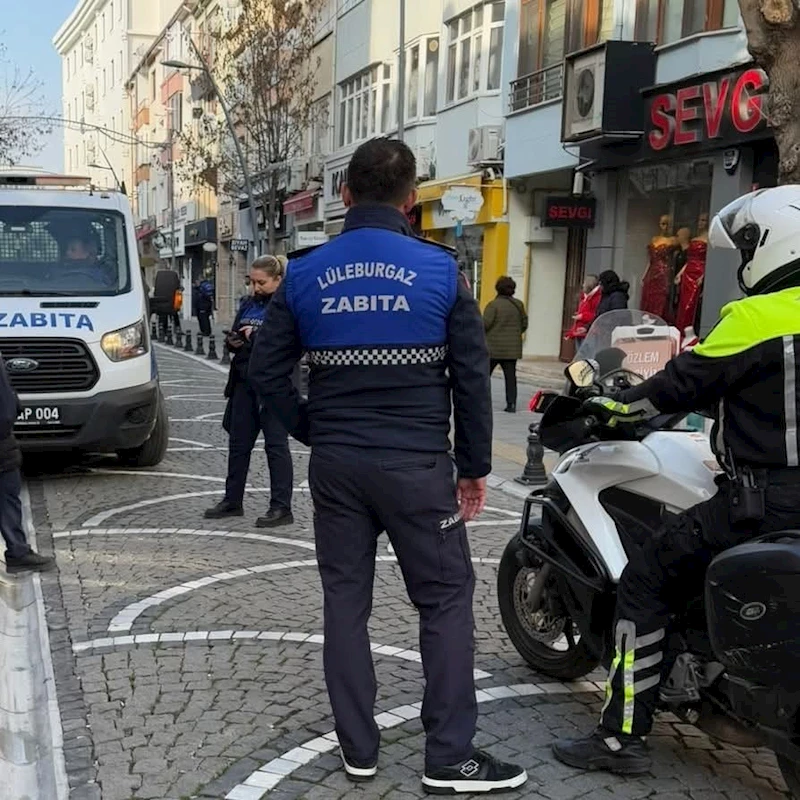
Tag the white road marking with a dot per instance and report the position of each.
(200, 359)
(230, 635)
(257, 537)
(124, 619)
(213, 415)
(269, 775)
(213, 395)
(189, 441)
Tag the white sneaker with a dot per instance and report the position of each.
(357, 774)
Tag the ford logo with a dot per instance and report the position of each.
(752, 611)
(21, 365)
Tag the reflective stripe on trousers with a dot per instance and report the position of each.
(633, 680)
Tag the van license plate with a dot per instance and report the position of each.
(39, 415)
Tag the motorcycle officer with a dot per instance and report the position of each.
(746, 370)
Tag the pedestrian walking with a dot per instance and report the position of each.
(245, 415)
(615, 293)
(389, 328)
(505, 320)
(203, 305)
(19, 555)
(586, 313)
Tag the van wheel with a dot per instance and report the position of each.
(549, 641)
(791, 774)
(154, 449)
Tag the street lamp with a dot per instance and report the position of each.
(203, 67)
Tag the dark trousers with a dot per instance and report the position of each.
(509, 367)
(660, 577)
(246, 420)
(204, 322)
(11, 514)
(357, 494)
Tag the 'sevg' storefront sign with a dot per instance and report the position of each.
(702, 114)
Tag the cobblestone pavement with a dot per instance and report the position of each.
(187, 652)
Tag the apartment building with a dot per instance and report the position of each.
(98, 43)
(658, 109)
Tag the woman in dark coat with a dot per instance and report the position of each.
(245, 417)
(505, 320)
(615, 293)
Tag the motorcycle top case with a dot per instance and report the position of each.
(753, 607)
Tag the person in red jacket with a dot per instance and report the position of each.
(587, 310)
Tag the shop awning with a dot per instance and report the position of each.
(433, 190)
(302, 201)
(145, 231)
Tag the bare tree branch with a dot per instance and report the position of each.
(265, 66)
(23, 124)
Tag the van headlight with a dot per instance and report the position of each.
(125, 343)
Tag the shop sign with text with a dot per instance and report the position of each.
(569, 212)
(706, 113)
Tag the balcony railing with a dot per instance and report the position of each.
(537, 88)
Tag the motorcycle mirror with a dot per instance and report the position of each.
(581, 374)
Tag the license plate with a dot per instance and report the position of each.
(39, 415)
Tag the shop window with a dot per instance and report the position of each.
(422, 77)
(666, 237)
(667, 21)
(365, 105)
(469, 69)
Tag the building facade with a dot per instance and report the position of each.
(98, 43)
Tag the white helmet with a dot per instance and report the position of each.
(765, 226)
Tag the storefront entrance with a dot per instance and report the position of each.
(573, 286)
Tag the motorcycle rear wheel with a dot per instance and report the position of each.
(791, 774)
(566, 665)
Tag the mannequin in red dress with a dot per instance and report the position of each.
(690, 278)
(658, 275)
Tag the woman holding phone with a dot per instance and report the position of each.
(244, 416)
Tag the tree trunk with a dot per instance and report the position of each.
(773, 39)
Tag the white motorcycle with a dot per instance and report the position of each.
(736, 656)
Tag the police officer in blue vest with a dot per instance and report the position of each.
(244, 415)
(391, 334)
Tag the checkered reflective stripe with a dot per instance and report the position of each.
(377, 356)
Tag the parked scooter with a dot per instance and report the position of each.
(735, 651)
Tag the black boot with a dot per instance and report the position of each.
(604, 750)
(511, 408)
(275, 517)
(225, 508)
(31, 562)
(480, 774)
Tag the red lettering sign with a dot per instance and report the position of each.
(686, 111)
(661, 120)
(747, 106)
(563, 212)
(728, 106)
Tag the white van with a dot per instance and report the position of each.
(74, 331)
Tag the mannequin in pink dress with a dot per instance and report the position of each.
(690, 278)
(658, 275)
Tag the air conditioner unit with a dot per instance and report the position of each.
(484, 145)
(297, 177)
(316, 167)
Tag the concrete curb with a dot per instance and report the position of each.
(32, 761)
(505, 485)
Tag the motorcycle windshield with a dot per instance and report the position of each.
(630, 340)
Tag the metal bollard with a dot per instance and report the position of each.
(179, 338)
(225, 359)
(154, 331)
(199, 351)
(212, 348)
(534, 473)
(187, 348)
(161, 334)
(168, 337)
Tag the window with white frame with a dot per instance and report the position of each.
(422, 79)
(474, 51)
(365, 103)
(320, 127)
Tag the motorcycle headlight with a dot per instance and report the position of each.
(125, 343)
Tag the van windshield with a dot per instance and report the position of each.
(62, 252)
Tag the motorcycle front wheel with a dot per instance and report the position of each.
(548, 640)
